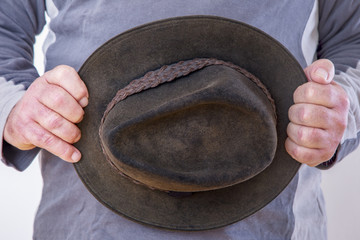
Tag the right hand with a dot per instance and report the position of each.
(47, 114)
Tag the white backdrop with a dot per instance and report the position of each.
(20, 193)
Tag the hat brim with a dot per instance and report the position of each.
(132, 54)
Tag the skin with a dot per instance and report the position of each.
(47, 114)
(318, 118)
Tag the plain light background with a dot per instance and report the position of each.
(20, 193)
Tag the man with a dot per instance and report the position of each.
(324, 119)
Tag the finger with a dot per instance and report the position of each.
(67, 78)
(56, 124)
(60, 101)
(44, 139)
(321, 71)
(309, 156)
(307, 136)
(314, 93)
(311, 115)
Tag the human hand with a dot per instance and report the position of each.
(319, 116)
(46, 115)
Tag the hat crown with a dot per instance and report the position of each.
(211, 129)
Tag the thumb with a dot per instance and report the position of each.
(321, 71)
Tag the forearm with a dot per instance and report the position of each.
(339, 41)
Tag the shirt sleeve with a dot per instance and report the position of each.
(20, 22)
(339, 41)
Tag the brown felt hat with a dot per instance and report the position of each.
(186, 122)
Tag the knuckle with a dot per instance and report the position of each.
(328, 90)
(303, 114)
(79, 117)
(74, 135)
(331, 95)
(48, 140)
(77, 134)
(44, 139)
(297, 113)
(38, 84)
(54, 121)
(64, 71)
(33, 135)
(309, 135)
(302, 155)
(326, 119)
(317, 135)
(44, 115)
(310, 91)
(57, 99)
(342, 124)
(301, 134)
(65, 152)
(323, 116)
(344, 102)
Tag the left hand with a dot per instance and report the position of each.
(319, 116)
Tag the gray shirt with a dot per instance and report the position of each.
(309, 29)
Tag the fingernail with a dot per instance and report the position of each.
(84, 102)
(75, 157)
(320, 72)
